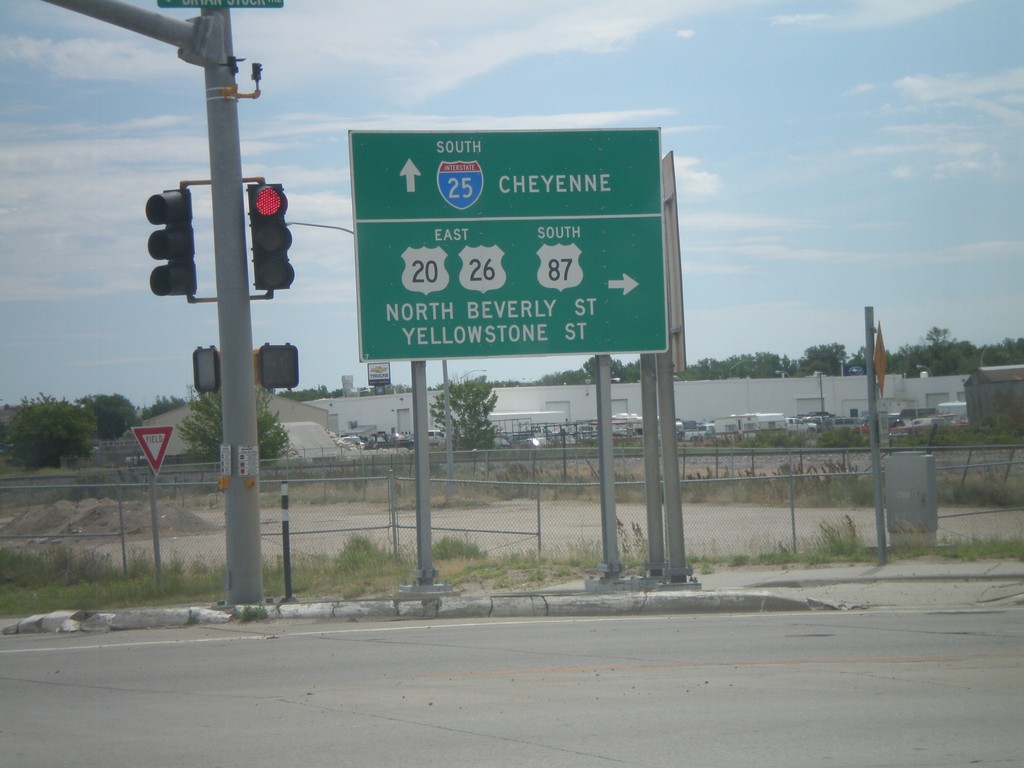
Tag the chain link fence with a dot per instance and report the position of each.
(735, 502)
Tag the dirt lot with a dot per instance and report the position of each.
(497, 527)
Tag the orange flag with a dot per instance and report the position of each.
(880, 361)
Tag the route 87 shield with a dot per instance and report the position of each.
(460, 182)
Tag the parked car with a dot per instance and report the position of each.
(697, 431)
(380, 440)
(794, 424)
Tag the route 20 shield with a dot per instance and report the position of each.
(460, 182)
(424, 270)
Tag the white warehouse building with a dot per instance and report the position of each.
(843, 396)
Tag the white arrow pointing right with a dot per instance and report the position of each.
(410, 172)
(627, 284)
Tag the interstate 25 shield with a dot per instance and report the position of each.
(460, 182)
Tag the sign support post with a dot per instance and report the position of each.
(876, 453)
(655, 566)
(677, 571)
(611, 568)
(425, 573)
(154, 522)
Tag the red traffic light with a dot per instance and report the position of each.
(271, 238)
(271, 201)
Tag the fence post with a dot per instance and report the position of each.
(792, 500)
(120, 520)
(538, 519)
(393, 513)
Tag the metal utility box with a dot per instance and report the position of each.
(911, 498)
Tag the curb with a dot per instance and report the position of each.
(432, 607)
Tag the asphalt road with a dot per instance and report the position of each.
(901, 688)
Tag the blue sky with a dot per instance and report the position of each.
(829, 156)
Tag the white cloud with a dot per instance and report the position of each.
(800, 20)
(419, 50)
(685, 34)
(863, 88)
(864, 14)
(693, 184)
(989, 94)
(91, 58)
(731, 221)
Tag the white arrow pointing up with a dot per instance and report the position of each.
(627, 284)
(410, 171)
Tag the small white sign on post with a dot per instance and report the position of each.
(248, 460)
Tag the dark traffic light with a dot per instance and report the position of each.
(175, 243)
(277, 366)
(270, 237)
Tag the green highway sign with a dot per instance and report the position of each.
(504, 244)
(200, 4)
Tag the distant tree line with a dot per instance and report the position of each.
(938, 354)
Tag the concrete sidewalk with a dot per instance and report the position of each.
(952, 586)
(939, 585)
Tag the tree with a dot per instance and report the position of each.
(472, 401)
(114, 414)
(44, 430)
(827, 358)
(202, 430)
(312, 393)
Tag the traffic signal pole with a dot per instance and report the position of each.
(206, 42)
(244, 575)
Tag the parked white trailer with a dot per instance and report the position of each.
(747, 423)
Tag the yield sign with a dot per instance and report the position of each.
(154, 441)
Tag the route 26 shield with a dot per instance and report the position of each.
(460, 182)
(482, 269)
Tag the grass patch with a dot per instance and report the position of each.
(837, 542)
(449, 548)
(252, 613)
(58, 577)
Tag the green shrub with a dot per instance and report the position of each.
(456, 549)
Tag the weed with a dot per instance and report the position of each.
(456, 549)
(633, 544)
(252, 613)
(838, 541)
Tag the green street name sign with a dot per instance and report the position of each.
(504, 244)
(220, 4)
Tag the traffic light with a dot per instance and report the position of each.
(206, 369)
(277, 366)
(175, 243)
(270, 237)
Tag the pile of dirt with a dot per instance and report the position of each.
(102, 516)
